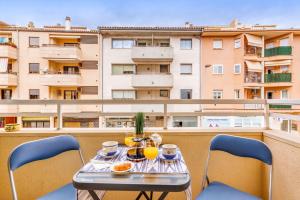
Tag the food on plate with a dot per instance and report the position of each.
(124, 166)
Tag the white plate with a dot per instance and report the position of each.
(121, 172)
(102, 154)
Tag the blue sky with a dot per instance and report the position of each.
(92, 13)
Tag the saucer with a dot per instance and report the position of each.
(104, 155)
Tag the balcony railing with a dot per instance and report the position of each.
(61, 79)
(8, 50)
(278, 51)
(8, 79)
(278, 77)
(61, 52)
(152, 80)
(280, 107)
(152, 53)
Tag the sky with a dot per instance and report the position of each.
(93, 13)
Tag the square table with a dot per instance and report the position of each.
(147, 176)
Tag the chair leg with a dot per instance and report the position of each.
(163, 196)
(93, 194)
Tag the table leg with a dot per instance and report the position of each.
(143, 193)
(163, 196)
(93, 194)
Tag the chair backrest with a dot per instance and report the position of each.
(243, 147)
(41, 149)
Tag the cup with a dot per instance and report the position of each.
(109, 148)
(169, 151)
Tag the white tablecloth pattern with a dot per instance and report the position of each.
(157, 166)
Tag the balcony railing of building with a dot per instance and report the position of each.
(277, 51)
(278, 77)
(8, 44)
(62, 46)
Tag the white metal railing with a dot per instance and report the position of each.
(165, 113)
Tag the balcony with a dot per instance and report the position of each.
(152, 81)
(280, 107)
(152, 53)
(278, 78)
(60, 53)
(8, 50)
(278, 51)
(58, 79)
(8, 79)
(245, 174)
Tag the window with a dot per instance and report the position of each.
(34, 41)
(186, 94)
(187, 121)
(217, 94)
(71, 70)
(186, 44)
(236, 94)
(284, 94)
(123, 94)
(34, 93)
(164, 68)
(269, 45)
(122, 43)
(3, 40)
(284, 42)
(34, 68)
(218, 69)
(237, 68)
(118, 69)
(36, 124)
(237, 43)
(217, 44)
(164, 93)
(89, 90)
(70, 94)
(6, 94)
(186, 69)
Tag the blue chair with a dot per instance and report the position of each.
(40, 150)
(237, 146)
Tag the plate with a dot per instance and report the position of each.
(136, 154)
(125, 171)
(102, 154)
(177, 157)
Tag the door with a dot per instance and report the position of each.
(70, 94)
(284, 42)
(6, 94)
(269, 95)
(71, 70)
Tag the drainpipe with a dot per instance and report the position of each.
(18, 75)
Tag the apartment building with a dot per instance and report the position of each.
(53, 62)
(151, 63)
(249, 62)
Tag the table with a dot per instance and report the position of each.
(146, 177)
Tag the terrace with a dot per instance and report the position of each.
(245, 174)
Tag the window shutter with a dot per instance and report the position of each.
(88, 39)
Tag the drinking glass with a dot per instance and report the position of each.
(151, 152)
(129, 140)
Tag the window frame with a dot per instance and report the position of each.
(217, 65)
(33, 46)
(122, 40)
(32, 72)
(234, 68)
(38, 96)
(237, 93)
(162, 91)
(239, 42)
(123, 92)
(187, 90)
(123, 66)
(186, 64)
(220, 91)
(186, 39)
(281, 94)
(215, 40)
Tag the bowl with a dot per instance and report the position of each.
(169, 151)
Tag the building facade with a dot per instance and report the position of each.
(144, 63)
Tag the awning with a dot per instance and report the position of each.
(278, 63)
(254, 66)
(35, 118)
(254, 40)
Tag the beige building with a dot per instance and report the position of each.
(53, 62)
(151, 63)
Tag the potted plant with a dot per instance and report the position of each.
(139, 125)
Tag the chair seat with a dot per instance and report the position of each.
(67, 192)
(220, 191)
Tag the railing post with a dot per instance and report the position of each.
(267, 116)
(165, 116)
(289, 127)
(59, 117)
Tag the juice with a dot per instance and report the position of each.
(129, 141)
(151, 152)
